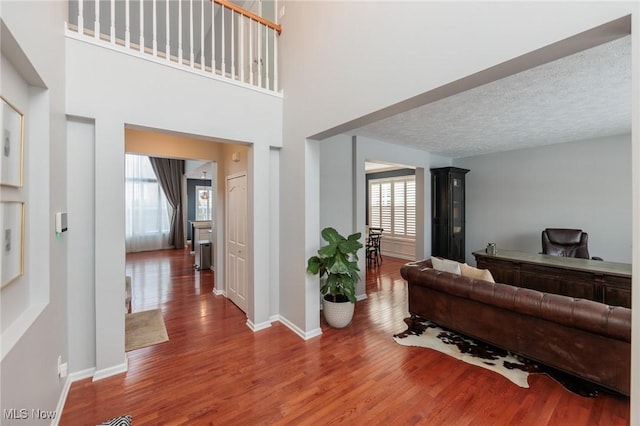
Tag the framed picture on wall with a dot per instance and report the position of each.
(12, 238)
(11, 151)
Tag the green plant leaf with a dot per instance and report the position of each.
(339, 262)
(331, 284)
(328, 251)
(324, 289)
(349, 246)
(313, 265)
(347, 280)
(355, 237)
(350, 293)
(331, 236)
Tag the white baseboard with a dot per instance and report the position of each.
(73, 377)
(400, 248)
(112, 371)
(61, 401)
(219, 292)
(258, 327)
(84, 374)
(304, 335)
(398, 255)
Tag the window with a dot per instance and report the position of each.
(392, 206)
(147, 212)
(204, 202)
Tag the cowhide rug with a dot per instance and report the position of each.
(424, 333)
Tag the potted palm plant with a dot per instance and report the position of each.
(338, 261)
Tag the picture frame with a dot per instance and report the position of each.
(12, 145)
(12, 239)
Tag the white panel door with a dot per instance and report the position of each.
(237, 249)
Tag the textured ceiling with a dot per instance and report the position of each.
(582, 96)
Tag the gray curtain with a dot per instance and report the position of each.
(169, 173)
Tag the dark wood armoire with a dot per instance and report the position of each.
(448, 212)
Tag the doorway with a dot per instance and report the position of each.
(219, 159)
(391, 201)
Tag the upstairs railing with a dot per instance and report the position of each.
(216, 37)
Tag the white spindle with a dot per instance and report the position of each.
(112, 29)
(167, 47)
(213, 38)
(275, 61)
(141, 26)
(180, 32)
(155, 28)
(127, 24)
(251, 58)
(267, 64)
(222, 43)
(233, 45)
(96, 24)
(81, 16)
(241, 43)
(202, 35)
(191, 57)
(259, 37)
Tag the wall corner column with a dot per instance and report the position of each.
(110, 248)
(259, 222)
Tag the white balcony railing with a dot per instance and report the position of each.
(212, 36)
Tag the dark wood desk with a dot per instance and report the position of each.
(606, 282)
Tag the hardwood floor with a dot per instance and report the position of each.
(215, 371)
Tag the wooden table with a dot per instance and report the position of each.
(606, 282)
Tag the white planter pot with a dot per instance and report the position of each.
(338, 315)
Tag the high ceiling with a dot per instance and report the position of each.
(582, 96)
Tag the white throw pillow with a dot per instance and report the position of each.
(475, 273)
(445, 265)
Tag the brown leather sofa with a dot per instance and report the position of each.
(581, 337)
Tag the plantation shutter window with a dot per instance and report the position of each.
(392, 206)
(410, 208)
(398, 208)
(385, 205)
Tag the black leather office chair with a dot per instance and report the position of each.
(566, 243)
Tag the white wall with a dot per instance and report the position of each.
(33, 42)
(114, 90)
(512, 196)
(336, 185)
(80, 236)
(274, 233)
